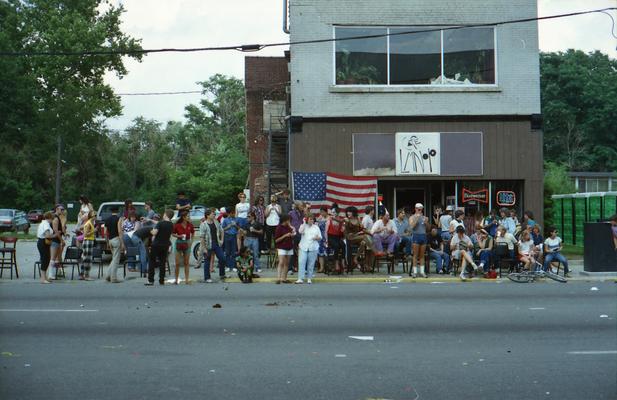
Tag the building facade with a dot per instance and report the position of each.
(440, 115)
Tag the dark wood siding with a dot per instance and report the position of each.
(512, 150)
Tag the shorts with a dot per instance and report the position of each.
(283, 252)
(185, 251)
(55, 245)
(418, 238)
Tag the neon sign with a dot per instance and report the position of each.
(480, 196)
(506, 198)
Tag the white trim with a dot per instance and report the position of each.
(334, 55)
(388, 55)
(443, 69)
(412, 88)
(495, 55)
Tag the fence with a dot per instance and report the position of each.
(571, 211)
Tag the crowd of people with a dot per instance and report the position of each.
(332, 241)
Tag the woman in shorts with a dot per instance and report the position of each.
(183, 232)
(283, 241)
(418, 224)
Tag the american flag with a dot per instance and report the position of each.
(321, 188)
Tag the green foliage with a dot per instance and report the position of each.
(579, 105)
(42, 98)
(556, 181)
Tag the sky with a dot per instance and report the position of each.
(201, 23)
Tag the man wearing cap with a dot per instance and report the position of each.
(285, 202)
(384, 232)
(462, 249)
(418, 223)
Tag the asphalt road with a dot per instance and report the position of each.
(432, 341)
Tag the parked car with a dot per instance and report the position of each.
(35, 216)
(13, 220)
(105, 211)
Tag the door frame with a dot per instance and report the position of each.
(395, 189)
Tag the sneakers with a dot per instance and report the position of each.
(208, 280)
(258, 270)
(149, 283)
(309, 281)
(463, 276)
(299, 282)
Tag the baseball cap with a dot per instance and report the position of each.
(419, 205)
(450, 208)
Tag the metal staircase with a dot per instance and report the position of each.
(278, 151)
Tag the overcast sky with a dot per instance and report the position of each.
(200, 23)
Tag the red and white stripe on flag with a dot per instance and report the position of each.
(347, 191)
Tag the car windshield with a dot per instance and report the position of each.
(6, 213)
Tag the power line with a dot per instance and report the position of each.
(159, 93)
(258, 47)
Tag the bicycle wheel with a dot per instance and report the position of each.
(520, 277)
(196, 251)
(550, 274)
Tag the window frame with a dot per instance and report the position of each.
(437, 87)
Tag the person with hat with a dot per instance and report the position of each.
(462, 249)
(285, 202)
(484, 249)
(418, 224)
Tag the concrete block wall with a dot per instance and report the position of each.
(518, 91)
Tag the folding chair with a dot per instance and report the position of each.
(72, 257)
(502, 257)
(9, 248)
(132, 256)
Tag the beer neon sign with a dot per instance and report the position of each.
(506, 198)
(481, 196)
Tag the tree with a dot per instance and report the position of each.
(579, 105)
(556, 181)
(43, 97)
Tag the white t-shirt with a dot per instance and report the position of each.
(525, 247)
(44, 227)
(308, 241)
(367, 222)
(552, 244)
(455, 241)
(444, 222)
(509, 239)
(273, 215)
(242, 210)
(379, 225)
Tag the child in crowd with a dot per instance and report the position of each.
(244, 264)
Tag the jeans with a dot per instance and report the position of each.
(406, 242)
(219, 255)
(112, 271)
(485, 259)
(550, 257)
(44, 253)
(442, 259)
(306, 259)
(143, 253)
(253, 244)
(230, 247)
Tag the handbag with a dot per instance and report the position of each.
(47, 242)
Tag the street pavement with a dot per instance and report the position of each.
(446, 340)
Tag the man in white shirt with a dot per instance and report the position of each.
(403, 230)
(384, 232)
(367, 220)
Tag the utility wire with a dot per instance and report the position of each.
(258, 47)
(158, 93)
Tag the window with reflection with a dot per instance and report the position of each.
(361, 61)
(415, 59)
(469, 56)
(415, 56)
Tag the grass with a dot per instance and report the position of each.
(19, 235)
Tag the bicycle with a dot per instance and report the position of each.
(536, 273)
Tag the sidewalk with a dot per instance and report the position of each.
(27, 254)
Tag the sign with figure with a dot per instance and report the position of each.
(418, 153)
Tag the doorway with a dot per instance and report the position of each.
(407, 198)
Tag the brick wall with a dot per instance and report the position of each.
(265, 78)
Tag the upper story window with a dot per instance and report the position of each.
(463, 56)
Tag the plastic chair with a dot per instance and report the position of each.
(97, 258)
(9, 248)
